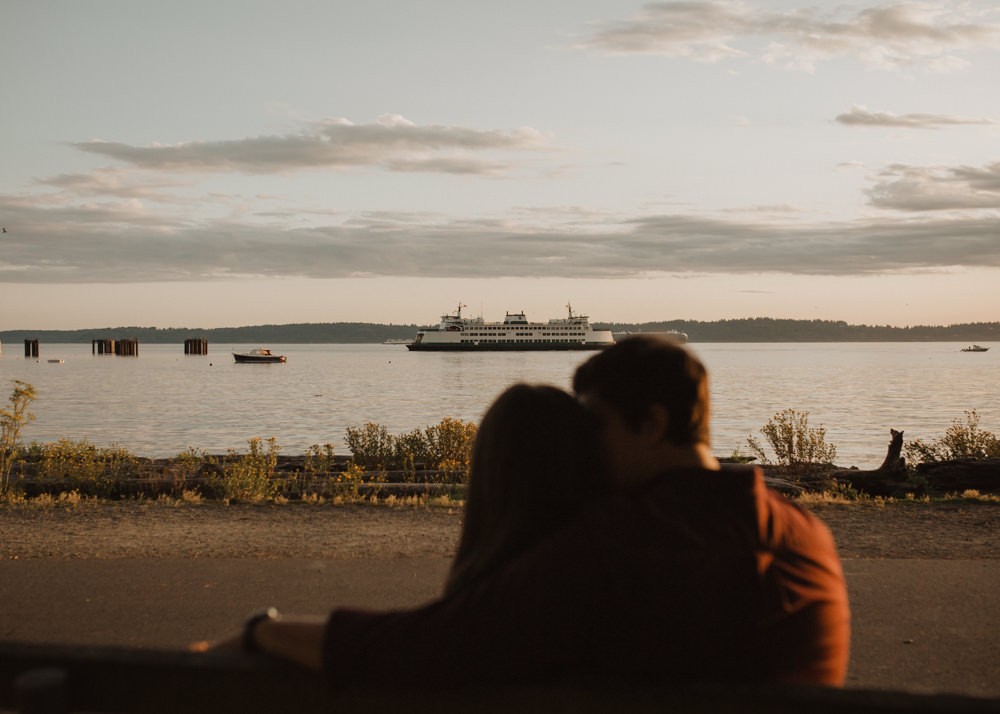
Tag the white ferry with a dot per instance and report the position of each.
(515, 333)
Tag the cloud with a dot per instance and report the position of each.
(393, 143)
(123, 242)
(112, 182)
(888, 37)
(921, 188)
(697, 30)
(862, 116)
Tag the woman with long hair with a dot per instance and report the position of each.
(535, 462)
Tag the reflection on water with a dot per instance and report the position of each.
(163, 401)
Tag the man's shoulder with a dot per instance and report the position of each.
(727, 483)
(732, 492)
(735, 499)
(693, 499)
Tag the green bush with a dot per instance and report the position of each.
(371, 445)
(446, 446)
(12, 420)
(319, 459)
(188, 464)
(347, 484)
(80, 465)
(962, 440)
(450, 444)
(793, 441)
(250, 476)
(409, 450)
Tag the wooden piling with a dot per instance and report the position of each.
(31, 348)
(129, 347)
(196, 346)
(102, 347)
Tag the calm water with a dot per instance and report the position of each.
(163, 401)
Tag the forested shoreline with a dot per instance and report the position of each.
(759, 329)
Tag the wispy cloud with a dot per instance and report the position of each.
(922, 188)
(890, 37)
(123, 243)
(393, 143)
(117, 183)
(860, 115)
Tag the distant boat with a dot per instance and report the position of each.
(56, 361)
(260, 354)
(974, 348)
(397, 341)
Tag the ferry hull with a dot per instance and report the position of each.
(502, 347)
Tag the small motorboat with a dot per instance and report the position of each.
(261, 354)
(974, 348)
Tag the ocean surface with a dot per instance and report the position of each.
(164, 402)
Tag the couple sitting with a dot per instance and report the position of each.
(601, 538)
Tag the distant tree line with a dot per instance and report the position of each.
(302, 333)
(757, 329)
(766, 329)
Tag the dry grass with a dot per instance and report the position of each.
(854, 497)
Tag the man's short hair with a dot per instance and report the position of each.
(644, 370)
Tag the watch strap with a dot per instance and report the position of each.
(249, 643)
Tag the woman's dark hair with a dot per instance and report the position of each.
(641, 371)
(535, 462)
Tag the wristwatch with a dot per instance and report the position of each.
(249, 643)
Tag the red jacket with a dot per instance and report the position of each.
(698, 575)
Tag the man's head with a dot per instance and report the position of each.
(652, 398)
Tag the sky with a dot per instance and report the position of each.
(238, 162)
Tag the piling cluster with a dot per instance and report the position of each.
(128, 347)
(196, 346)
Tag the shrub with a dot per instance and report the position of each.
(187, 464)
(411, 449)
(371, 445)
(793, 441)
(450, 444)
(444, 446)
(961, 440)
(347, 484)
(319, 459)
(250, 476)
(81, 465)
(12, 420)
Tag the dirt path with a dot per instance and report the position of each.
(135, 529)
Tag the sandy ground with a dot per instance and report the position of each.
(129, 529)
(136, 529)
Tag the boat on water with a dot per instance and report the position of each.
(515, 334)
(261, 354)
(974, 348)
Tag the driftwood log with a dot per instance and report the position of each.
(894, 479)
(889, 479)
(961, 475)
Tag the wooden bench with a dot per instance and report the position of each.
(53, 679)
